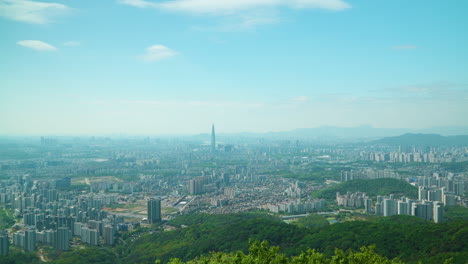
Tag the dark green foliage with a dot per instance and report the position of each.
(19, 257)
(207, 233)
(88, 255)
(400, 220)
(455, 166)
(312, 221)
(453, 213)
(372, 188)
(5, 220)
(405, 237)
(261, 253)
(220, 219)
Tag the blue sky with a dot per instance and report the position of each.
(177, 66)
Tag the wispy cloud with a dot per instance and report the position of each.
(404, 47)
(241, 22)
(158, 52)
(32, 11)
(231, 6)
(71, 43)
(36, 45)
(138, 3)
(237, 15)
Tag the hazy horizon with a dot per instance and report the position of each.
(362, 131)
(144, 67)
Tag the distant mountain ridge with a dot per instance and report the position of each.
(409, 139)
(364, 132)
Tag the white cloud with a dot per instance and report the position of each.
(31, 11)
(238, 15)
(240, 23)
(138, 3)
(158, 52)
(36, 45)
(71, 43)
(219, 7)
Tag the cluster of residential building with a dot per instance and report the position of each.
(297, 206)
(418, 156)
(429, 205)
(368, 174)
(446, 182)
(52, 216)
(351, 199)
(406, 157)
(429, 210)
(294, 190)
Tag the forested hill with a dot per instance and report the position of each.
(206, 233)
(372, 188)
(261, 253)
(408, 238)
(424, 140)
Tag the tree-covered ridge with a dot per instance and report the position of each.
(372, 188)
(19, 257)
(206, 233)
(454, 213)
(312, 221)
(261, 253)
(219, 219)
(6, 221)
(405, 237)
(88, 255)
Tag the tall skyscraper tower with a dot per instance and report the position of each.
(154, 210)
(213, 139)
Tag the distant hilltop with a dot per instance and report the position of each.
(364, 132)
(424, 140)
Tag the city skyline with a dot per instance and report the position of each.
(162, 198)
(175, 67)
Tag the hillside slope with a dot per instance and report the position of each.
(374, 187)
(406, 237)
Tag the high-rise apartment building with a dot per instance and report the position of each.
(109, 235)
(368, 205)
(154, 210)
(62, 241)
(4, 243)
(389, 207)
(30, 240)
(196, 186)
(438, 212)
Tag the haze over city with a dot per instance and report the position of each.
(162, 67)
